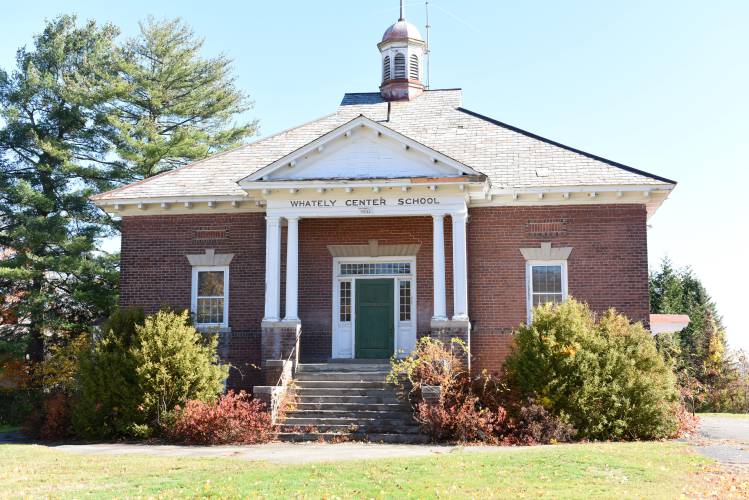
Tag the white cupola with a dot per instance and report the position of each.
(402, 49)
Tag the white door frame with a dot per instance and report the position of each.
(343, 342)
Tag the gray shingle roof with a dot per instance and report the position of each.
(508, 156)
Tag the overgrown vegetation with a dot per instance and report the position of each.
(603, 373)
(141, 370)
(466, 409)
(569, 374)
(711, 376)
(233, 419)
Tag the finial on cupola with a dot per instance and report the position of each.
(402, 49)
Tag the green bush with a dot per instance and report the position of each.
(110, 395)
(605, 374)
(140, 369)
(175, 363)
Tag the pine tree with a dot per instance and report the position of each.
(702, 342)
(173, 106)
(50, 132)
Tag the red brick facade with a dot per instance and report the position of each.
(156, 273)
(607, 268)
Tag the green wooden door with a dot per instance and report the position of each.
(374, 318)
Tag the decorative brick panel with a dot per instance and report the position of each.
(210, 234)
(546, 227)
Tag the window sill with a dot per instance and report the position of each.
(213, 328)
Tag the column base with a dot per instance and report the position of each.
(446, 330)
(278, 340)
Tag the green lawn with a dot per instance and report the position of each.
(621, 470)
(725, 415)
(8, 428)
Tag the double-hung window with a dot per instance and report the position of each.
(545, 282)
(210, 296)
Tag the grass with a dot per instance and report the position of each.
(608, 470)
(724, 415)
(8, 428)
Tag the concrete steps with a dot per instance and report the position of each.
(347, 401)
(341, 376)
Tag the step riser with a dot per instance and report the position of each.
(375, 438)
(346, 421)
(342, 377)
(362, 400)
(335, 384)
(378, 415)
(342, 392)
(380, 429)
(343, 367)
(351, 406)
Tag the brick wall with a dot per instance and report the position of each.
(607, 267)
(156, 273)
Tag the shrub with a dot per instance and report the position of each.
(17, 397)
(233, 419)
(140, 369)
(110, 396)
(16, 405)
(459, 414)
(535, 425)
(432, 363)
(606, 374)
(460, 419)
(688, 422)
(51, 421)
(175, 363)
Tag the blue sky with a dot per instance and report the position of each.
(662, 86)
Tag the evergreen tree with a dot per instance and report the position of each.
(702, 342)
(173, 106)
(50, 132)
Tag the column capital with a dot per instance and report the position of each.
(272, 219)
(292, 217)
(460, 216)
(438, 217)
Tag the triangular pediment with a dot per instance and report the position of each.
(361, 149)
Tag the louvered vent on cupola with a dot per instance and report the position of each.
(414, 69)
(400, 67)
(386, 69)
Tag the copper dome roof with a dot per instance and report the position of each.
(401, 30)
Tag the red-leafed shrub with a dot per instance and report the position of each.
(51, 421)
(688, 422)
(462, 420)
(233, 419)
(481, 409)
(535, 425)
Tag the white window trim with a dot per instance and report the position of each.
(529, 265)
(194, 295)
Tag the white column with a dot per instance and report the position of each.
(272, 268)
(438, 266)
(292, 268)
(460, 267)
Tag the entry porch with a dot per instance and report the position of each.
(350, 282)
